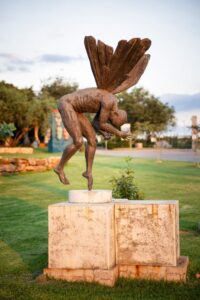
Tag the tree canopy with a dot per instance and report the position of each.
(23, 108)
(146, 113)
(58, 87)
(27, 110)
(14, 104)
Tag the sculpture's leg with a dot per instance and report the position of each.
(71, 123)
(89, 133)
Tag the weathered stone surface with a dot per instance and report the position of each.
(176, 273)
(94, 196)
(21, 167)
(40, 162)
(30, 168)
(40, 168)
(21, 161)
(12, 165)
(7, 168)
(53, 160)
(31, 161)
(147, 233)
(5, 161)
(81, 236)
(108, 277)
(104, 277)
(26, 150)
(101, 242)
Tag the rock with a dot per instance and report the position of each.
(21, 167)
(7, 168)
(40, 162)
(11, 165)
(5, 161)
(30, 168)
(22, 161)
(32, 161)
(40, 168)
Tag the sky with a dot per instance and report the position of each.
(41, 39)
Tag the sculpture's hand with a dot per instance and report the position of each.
(106, 135)
(125, 135)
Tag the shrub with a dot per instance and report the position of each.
(124, 186)
(117, 142)
(6, 131)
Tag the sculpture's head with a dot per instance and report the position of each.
(118, 117)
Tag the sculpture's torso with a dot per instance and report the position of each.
(88, 100)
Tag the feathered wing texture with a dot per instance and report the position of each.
(116, 72)
(134, 75)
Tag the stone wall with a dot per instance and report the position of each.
(25, 150)
(18, 165)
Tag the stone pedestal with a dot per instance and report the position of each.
(147, 232)
(94, 238)
(81, 236)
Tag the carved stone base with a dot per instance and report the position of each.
(104, 277)
(109, 277)
(102, 241)
(174, 273)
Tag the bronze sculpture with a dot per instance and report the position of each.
(114, 72)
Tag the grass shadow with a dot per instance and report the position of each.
(24, 228)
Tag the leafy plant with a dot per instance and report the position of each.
(124, 186)
(6, 130)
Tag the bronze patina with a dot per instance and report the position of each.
(114, 72)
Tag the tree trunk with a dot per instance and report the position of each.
(36, 134)
(8, 142)
(20, 136)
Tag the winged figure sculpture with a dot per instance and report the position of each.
(114, 72)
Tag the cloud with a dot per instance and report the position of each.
(12, 62)
(11, 68)
(57, 58)
(14, 59)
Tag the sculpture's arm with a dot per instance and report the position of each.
(95, 124)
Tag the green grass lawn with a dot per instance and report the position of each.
(24, 200)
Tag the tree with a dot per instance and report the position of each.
(39, 110)
(24, 109)
(146, 113)
(14, 106)
(58, 87)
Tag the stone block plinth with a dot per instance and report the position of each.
(81, 236)
(175, 273)
(104, 277)
(96, 239)
(147, 233)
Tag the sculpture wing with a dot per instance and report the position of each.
(117, 71)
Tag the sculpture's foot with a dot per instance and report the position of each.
(61, 176)
(89, 179)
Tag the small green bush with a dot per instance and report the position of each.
(117, 142)
(124, 186)
(6, 131)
